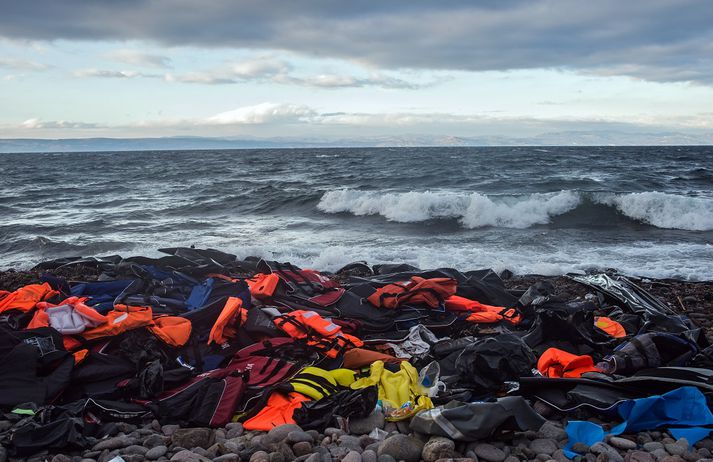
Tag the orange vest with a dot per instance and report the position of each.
(319, 332)
(172, 330)
(418, 290)
(25, 298)
(40, 319)
(610, 326)
(263, 286)
(559, 363)
(480, 312)
(232, 313)
(278, 411)
(121, 319)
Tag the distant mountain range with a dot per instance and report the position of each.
(564, 138)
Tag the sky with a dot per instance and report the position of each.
(330, 70)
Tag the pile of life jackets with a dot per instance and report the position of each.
(202, 338)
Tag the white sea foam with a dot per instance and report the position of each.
(663, 210)
(474, 210)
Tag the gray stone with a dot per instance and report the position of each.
(186, 456)
(277, 457)
(368, 456)
(113, 443)
(192, 437)
(352, 456)
(299, 437)
(385, 458)
(552, 430)
(659, 454)
(350, 442)
(132, 458)
(436, 448)
(314, 458)
(61, 458)
(134, 449)
(337, 452)
(489, 452)
(366, 440)
(673, 459)
(277, 434)
(156, 452)
(603, 448)
(227, 458)
(86, 459)
(402, 447)
(652, 446)
(580, 448)
(639, 456)
(169, 429)
(260, 456)
(559, 456)
(676, 449)
(333, 433)
(543, 446)
(621, 443)
(154, 440)
(302, 448)
(367, 424)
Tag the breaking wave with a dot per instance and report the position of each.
(476, 210)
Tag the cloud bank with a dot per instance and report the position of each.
(658, 40)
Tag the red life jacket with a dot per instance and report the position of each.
(431, 292)
(480, 312)
(319, 332)
(559, 363)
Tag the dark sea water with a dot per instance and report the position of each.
(646, 211)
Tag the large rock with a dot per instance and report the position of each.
(367, 424)
(436, 448)
(193, 438)
(401, 447)
(156, 452)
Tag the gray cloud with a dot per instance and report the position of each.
(112, 74)
(661, 40)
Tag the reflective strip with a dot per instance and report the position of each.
(445, 424)
(331, 327)
(309, 314)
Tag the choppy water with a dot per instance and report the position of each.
(646, 211)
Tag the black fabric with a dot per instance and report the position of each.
(477, 421)
(487, 364)
(572, 332)
(318, 415)
(651, 350)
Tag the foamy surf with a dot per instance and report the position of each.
(476, 210)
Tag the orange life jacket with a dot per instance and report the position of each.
(121, 319)
(319, 332)
(262, 286)
(41, 319)
(559, 363)
(480, 312)
(25, 298)
(172, 330)
(278, 411)
(418, 290)
(224, 327)
(610, 326)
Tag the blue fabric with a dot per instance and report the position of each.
(683, 407)
(101, 294)
(199, 294)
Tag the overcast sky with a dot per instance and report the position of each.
(329, 69)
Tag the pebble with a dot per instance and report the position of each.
(169, 429)
(436, 448)
(368, 456)
(401, 447)
(639, 456)
(610, 452)
(489, 452)
(676, 449)
(192, 437)
(156, 452)
(385, 458)
(553, 431)
(113, 443)
(277, 434)
(299, 437)
(260, 456)
(659, 454)
(302, 448)
(543, 446)
(61, 458)
(352, 456)
(227, 458)
(652, 446)
(621, 443)
(134, 449)
(350, 442)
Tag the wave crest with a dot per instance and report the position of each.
(473, 210)
(663, 210)
(476, 210)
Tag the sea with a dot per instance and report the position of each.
(643, 211)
